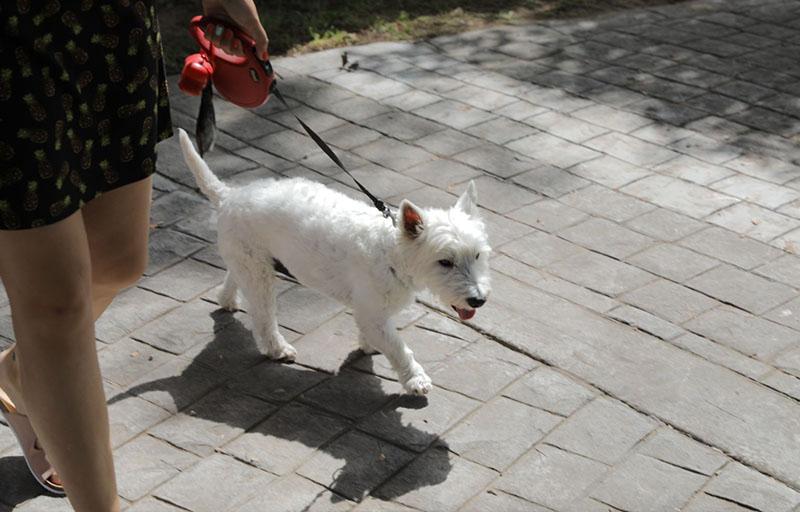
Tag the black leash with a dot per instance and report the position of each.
(380, 205)
(205, 131)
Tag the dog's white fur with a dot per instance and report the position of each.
(347, 250)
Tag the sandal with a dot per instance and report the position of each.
(34, 455)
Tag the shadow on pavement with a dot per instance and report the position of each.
(313, 419)
(16, 483)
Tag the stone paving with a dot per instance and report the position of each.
(640, 352)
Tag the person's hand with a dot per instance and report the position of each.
(241, 13)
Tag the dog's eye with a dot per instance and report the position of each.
(477, 256)
(446, 263)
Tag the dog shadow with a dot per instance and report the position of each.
(281, 385)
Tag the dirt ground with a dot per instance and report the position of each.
(296, 27)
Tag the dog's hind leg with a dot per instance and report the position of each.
(257, 281)
(383, 336)
(228, 298)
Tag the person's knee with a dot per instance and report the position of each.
(120, 272)
(62, 303)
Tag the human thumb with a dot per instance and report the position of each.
(260, 35)
(248, 20)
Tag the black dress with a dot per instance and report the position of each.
(83, 102)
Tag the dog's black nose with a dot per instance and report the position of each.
(475, 302)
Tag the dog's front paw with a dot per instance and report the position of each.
(284, 352)
(418, 384)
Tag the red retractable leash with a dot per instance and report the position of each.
(243, 80)
(246, 81)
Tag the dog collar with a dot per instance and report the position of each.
(402, 281)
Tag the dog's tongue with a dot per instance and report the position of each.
(464, 314)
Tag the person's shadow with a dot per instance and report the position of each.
(368, 459)
(16, 483)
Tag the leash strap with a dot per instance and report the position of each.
(380, 205)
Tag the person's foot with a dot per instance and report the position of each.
(11, 407)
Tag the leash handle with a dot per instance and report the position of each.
(241, 79)
(198, 24)
(380, 205)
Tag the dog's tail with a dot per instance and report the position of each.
(211, 186)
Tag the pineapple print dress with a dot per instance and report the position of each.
(83, 103)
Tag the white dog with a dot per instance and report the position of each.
(347, 250)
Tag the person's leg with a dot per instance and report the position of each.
(117, 226)
(48, 278)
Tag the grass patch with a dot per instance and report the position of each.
(299, 26)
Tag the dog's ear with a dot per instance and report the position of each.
(411, 219)
(468, 202)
